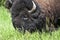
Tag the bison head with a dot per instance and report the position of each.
(31, 7)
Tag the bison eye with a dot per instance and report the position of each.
(24, 17)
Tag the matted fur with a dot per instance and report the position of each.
(51, 8)
(45, 16)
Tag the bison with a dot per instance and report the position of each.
(34, 14)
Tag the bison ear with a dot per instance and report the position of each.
(8, 4)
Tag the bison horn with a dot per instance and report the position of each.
(33, 8)
(10, 1)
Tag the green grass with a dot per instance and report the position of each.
(7, 32)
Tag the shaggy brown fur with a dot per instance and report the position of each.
(46, 16)
(51, 8)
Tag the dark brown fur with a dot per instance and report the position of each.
(51, 8)
(44, 17)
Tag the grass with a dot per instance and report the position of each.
(7, 32)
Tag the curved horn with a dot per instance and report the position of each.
(10, 1)
(33, 8)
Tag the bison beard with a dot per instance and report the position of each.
(45, 16)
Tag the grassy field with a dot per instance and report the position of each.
(7, 32)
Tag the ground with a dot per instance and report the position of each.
(7, 32)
